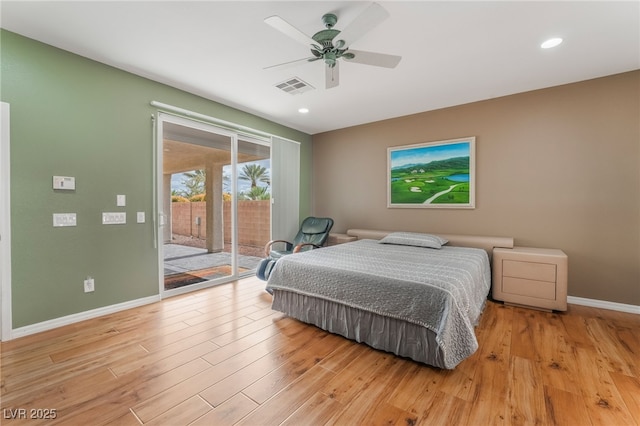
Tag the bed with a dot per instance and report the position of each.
(415, 295)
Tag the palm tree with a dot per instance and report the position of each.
(194, 183)
(256, 193)
(255, 173)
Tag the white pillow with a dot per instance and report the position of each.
(414, 239)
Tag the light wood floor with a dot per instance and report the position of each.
(221, 356)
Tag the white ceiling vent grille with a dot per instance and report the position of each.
(294, 86)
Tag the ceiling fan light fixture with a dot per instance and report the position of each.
(552, 42)
(330, 58)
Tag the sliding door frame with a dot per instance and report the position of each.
(290, 209)
(160, 203)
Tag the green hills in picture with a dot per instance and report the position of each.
(435, 182)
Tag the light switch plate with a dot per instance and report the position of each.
(140, 217)
(114, 218)
(121, 200)
(64, 219)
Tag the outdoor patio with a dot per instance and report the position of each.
(179, 258)
(188, 264)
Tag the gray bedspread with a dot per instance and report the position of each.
(442, 290)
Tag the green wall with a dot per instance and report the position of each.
(72, 116)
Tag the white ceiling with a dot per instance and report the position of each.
(452, 52)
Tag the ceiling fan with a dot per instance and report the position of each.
(331, 45)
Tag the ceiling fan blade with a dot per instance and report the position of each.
(375, 59)
(331, 76)
(365, 22)
(289, 30)
(291, 63)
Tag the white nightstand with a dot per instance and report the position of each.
(532, 277)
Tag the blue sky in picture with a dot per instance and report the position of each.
(177, 179)
(428, 153)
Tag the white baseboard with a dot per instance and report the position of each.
(82, 316)
(603, 304)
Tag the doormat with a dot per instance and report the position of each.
(200, 275)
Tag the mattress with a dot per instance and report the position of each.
(417, 302)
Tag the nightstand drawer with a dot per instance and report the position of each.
(529, 288)
(529, 270)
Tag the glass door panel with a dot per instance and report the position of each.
(196, 250)
(253, 208)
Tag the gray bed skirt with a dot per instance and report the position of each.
(388, 334)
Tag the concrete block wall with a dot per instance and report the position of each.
(254, 221)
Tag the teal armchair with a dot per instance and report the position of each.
(313, 233)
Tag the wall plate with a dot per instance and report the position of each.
(114, 218)
(64, 219)
(64, 182)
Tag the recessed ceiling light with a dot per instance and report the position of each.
(552, 42)
(303, 110)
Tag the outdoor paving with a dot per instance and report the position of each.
(179, 258)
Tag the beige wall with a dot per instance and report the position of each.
(557, 168)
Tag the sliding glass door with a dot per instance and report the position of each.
(213, 201)
(253, 192)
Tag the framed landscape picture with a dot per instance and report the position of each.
(432, 175)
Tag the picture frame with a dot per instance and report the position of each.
(438, 174)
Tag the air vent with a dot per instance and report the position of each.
(294, 86)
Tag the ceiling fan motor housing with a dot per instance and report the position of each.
(325, 37)
(326, 49)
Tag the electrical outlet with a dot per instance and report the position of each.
(89, 285)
